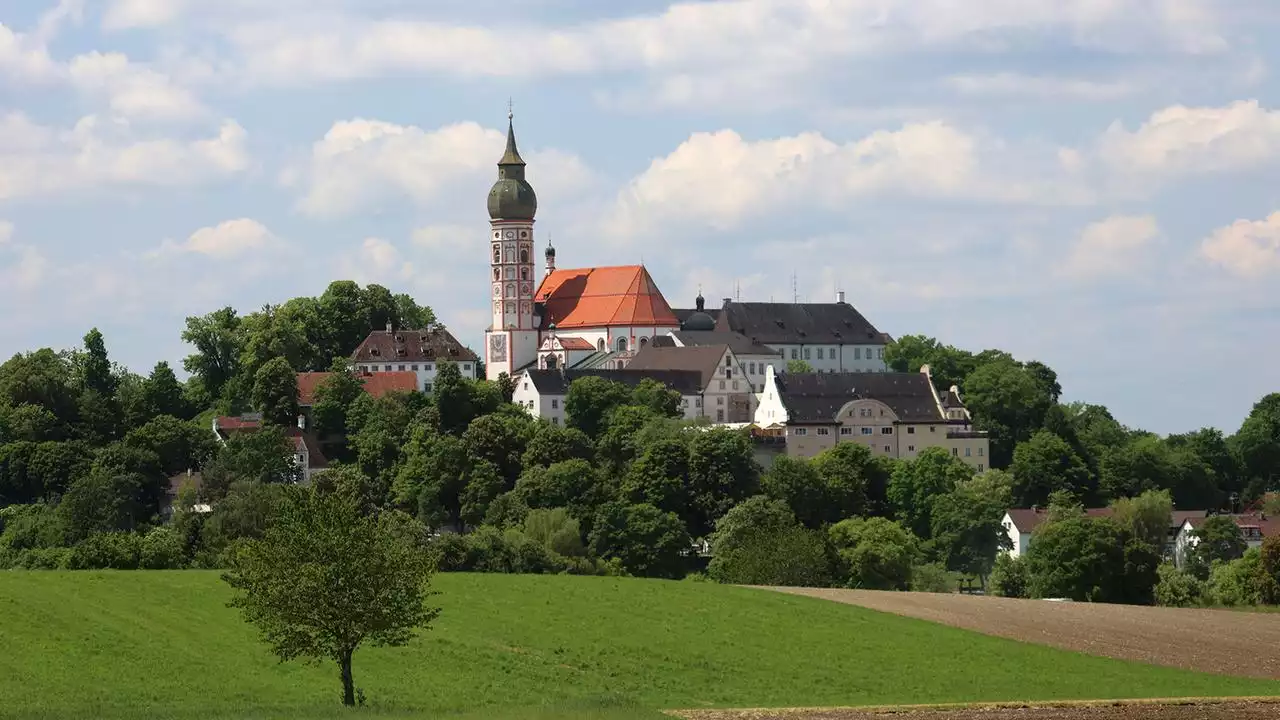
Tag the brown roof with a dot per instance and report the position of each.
(1028, 519)
(1266, 524)
(624, 296)
(816, 398)
(376, 384)
(574, 343)
(703, 359)
(431, 345)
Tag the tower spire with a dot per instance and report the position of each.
(512, 155)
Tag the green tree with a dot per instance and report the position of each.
(590, 400)
(272, 333)
(218, 344)
(500, 439)
(1257, 444)
(162, 394)
(275, 393)
(851, 476)
(1217, 540)
(1147, 516)
(796, 367)
(875, 553)
(947, 365)
(759, 542)
(1177, 588)
(333, 396)
(722, 473)
(966, 523)
(412, 316)
(645, 540)
(1009, 577)
(1045, 463)
(178, 444)
(549, 444)
(327, 578)
(1008, 401)
(344, 318)
(97, 375)
(916, 484)
(662, 400)
(101, 501)
(453, 397)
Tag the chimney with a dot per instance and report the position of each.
(840, 296)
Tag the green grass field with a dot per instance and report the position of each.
(164, 644)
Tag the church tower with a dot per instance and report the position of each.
(512, 339)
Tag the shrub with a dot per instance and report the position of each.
(42, 559)
(161, 549)
(111, 550)
(1177, 588)
(1009, 577)
(933, 578)
(789, 556)
(1237, 583)
(556, 531)
(874, 553)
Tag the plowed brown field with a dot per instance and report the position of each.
(1216, 641)
(1168, 710)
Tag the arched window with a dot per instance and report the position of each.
(511, 273)
(497, 254)
(524, 255)
(524, 273)
(622, 344)
(511, 255)
(511, 292)
(552, 361)
(600, 344)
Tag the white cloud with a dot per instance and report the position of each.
(1249, 249)
(377, 261)
(1009, 84)
(22, 267)
(447, 238)
(1182, 139)
(360, 162)
(36, 160)
(225, 241)
(721, 178)
(6, 232)
(24, 59)
(1111, 247)
(132, 90)
(692, 46)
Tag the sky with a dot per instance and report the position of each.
(1094, 184)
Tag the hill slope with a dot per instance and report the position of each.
(162, 643)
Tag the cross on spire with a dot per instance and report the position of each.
(510, 109)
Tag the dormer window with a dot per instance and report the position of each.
(374, 352)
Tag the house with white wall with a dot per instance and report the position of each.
(1254, 529)
(306, 449)
(542, 393)
(417, 351)
(1021, 524)
(896, 415)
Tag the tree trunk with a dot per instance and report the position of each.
(348, 685)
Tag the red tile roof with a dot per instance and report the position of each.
(376, 384)
(604, 297)
(1268, 525)
(574, 343)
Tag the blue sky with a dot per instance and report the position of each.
(1091, 183)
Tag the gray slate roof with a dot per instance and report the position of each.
(554, 382)
(704, 359)
(815, 398)
(799, 323)
(740, 344)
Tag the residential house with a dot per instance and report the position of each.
(1254, 528)
(376, 384)
(753, 357)
(726, 392)
(543, 392)
(416, 351)
(177, 483)
(896, 415)
(1021, 523)
(307, 455)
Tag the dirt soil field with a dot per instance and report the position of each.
(1199, 710)
(1216, 641)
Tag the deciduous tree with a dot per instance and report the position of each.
(327, 578)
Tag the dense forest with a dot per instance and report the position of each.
(87, 450)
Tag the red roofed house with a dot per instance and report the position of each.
(307, 453)
(1020, 524)
(1254, 528)
(570, 313)
(376, 384)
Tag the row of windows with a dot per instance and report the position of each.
(968, 452)
(427, 367)
(834, 353)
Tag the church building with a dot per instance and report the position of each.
(567, 315)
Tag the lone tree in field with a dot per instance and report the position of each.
(330, 575)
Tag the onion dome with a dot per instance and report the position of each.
(512, 197)
(699, 319)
